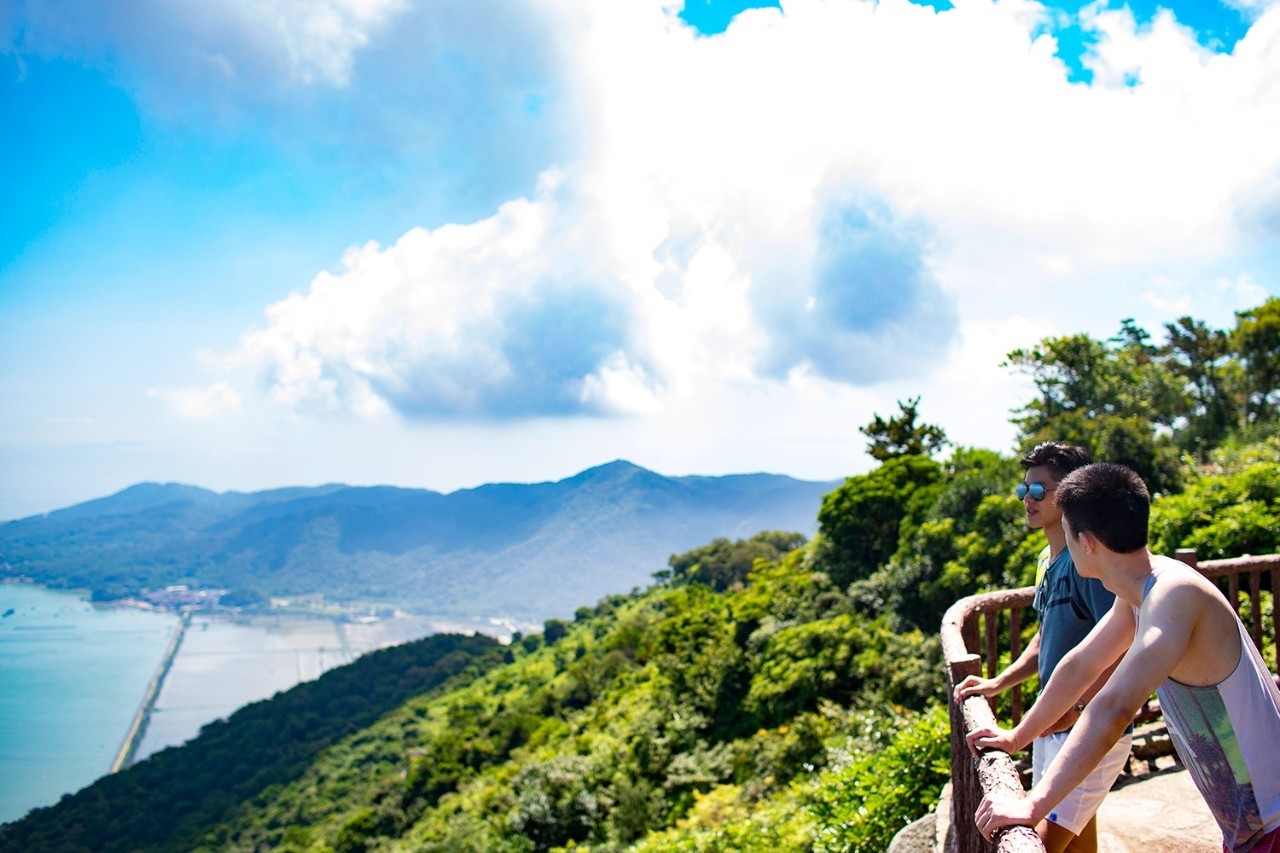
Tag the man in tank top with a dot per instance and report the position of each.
(1175, 634)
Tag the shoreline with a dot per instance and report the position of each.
(139, 725)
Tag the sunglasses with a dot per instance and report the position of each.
(1036, 490)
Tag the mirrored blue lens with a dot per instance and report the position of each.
(1036, 490)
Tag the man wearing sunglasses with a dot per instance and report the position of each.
(1067, 606)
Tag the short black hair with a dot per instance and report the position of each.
(1108, 500)
(1059, 458)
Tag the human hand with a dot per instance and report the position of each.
(991, 737)
(995, 812)
(975, 685)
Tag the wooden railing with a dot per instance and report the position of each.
(975, 623)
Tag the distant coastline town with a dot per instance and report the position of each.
(184, 599)
(181, 598)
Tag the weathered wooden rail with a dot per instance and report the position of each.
(974, 624)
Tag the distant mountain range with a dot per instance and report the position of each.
(524, 552)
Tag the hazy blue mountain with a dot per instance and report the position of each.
(525, 551)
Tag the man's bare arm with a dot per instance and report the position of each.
(1157, 649)
(1072, 714)
(1077, 672)
(1017, 672)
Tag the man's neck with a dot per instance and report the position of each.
(1057, 539)
(1126, 575)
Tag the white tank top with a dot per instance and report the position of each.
(1228, 736)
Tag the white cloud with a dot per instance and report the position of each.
(456, 100)
(1244, 289)
(844, 191)
(517, 315)
(199, 403)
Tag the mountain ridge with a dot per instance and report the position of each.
(514, 550)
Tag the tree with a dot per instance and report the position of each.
(859, 522)
(724, 564)
(1223, 515)
(554, 630)
(555, 804)
(1081, 376)
(1197, 353)
(901, 436)
(1256, 341)
(1115, 398)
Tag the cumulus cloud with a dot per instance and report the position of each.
(1251, 8)
(831, 192)
(800, 197)
(854, 308)
(512, 316)
(459, 100)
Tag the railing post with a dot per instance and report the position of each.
(965, 790)
(1275, 616)
(1015, 649)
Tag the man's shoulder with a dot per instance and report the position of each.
(1177, 584)
(1170, 573)
(1065, 566)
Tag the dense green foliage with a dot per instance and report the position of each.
(768, 693)
(724, 564)
(885, 766)
(643, 706)
(1227, 510)
(861, 520)
(1140, 404)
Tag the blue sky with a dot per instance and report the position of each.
(441, 244)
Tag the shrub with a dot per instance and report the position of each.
(861, 806)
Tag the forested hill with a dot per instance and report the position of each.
(768, 693)
(599, 732)
(521, 551)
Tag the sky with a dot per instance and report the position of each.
(264, 243)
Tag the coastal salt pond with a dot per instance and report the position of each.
(226, 662)
(73, 674)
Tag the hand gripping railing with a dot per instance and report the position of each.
(993, 771)
(977, 618)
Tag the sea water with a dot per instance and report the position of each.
(72, 675)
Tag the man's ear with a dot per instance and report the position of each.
(1088, 542)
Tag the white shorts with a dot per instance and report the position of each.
(1078, 808)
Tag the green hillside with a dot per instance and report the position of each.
(747, 700)
(765, 693)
